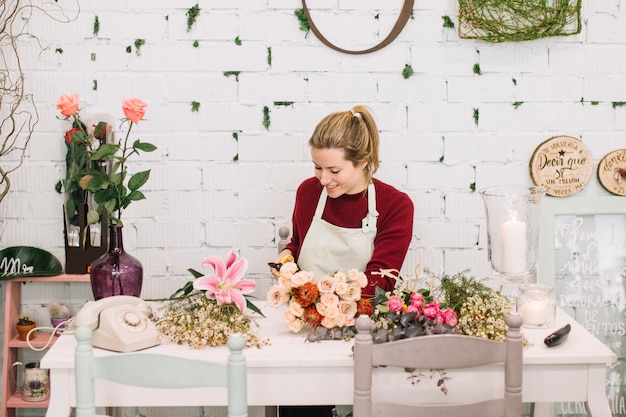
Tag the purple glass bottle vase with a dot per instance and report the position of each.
(116, 272)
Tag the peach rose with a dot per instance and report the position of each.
(332, 311)
(277, 295)
(68, 104)
(300, 278)
(329, 299)
(352, 293)
(347, 308)
(134, 109)
(329, 322)
(296, 309)
(340, 277)
(341, 288)
(326, 284)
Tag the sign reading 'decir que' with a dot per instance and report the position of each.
(562, 165)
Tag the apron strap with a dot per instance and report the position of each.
(369, 221)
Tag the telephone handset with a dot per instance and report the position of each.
(120, 323)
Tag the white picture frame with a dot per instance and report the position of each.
(552, 208)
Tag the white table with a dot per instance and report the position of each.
(292, 372)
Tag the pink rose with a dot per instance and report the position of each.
(449, 317)
(417, 299)
(134, 109)
(395, 303)
(413, 309)
(68, 104)
(431, 310)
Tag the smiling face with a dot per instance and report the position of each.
(338, 174)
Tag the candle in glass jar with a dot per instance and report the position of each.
(534, 313)
(513, 234)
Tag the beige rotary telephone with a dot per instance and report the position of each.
(120, 323)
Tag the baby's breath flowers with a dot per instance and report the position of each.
(481, 310)
(198, 321)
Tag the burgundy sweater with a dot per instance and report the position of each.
(394, 226)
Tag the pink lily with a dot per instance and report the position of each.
(226, 286)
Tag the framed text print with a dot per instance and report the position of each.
(582, 253)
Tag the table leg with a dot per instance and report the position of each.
(540, 409)
(59, 405)
(597, 400)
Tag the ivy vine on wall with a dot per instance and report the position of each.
(515, 20)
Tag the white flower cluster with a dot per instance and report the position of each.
(198, 321)
(484, 316)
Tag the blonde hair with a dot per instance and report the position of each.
(355, 132)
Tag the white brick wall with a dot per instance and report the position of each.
(200, 202)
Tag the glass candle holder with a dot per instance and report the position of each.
(537, 304)
(513, 217)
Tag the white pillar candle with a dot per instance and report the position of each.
(513, 234)
(534, 313)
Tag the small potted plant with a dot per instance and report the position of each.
(24, 325)
(59, 313)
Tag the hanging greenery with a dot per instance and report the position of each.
(518, 20)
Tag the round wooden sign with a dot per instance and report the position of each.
(562, 165)
(612, 172)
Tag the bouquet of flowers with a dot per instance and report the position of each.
(327, 304)
(207, 310)
(409, 311)
(448, 304)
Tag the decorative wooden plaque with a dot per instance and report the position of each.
(612, 172)
(562, 165)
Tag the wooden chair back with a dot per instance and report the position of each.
(159, 371)
(445, 351)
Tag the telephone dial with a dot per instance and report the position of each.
(120, 323)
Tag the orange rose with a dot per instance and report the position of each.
(68, 104)
(134, 109)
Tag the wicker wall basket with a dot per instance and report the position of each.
(518, 20)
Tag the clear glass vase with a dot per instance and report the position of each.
(513, 217)
(538, 305)
(116, 272)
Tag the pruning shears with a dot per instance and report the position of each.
(283, 261)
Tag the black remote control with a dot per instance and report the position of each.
(558, 337)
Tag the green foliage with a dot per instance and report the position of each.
(59, 50)
(447, 22)
(515, 20)
(237, 41)
(516, 104)
(129, 49)
(196, 44)
(514, 81)
(407, 71)
(96, 26)
(94, 86)
(618, 103)
(441, 158)
(476, 69)
(269, 56)
(473, 186)
(195, 106)
(23, 320)
(266, 117)
(304, 23)
(192, 14)
(236, 136)
(236, 158)
(283, 103)
(138, 44)
(476, 115)
(458, 288)
(230, 73)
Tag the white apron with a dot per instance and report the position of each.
(328, 248)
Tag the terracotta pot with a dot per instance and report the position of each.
(23, 329)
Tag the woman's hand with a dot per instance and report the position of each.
(284, 257)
